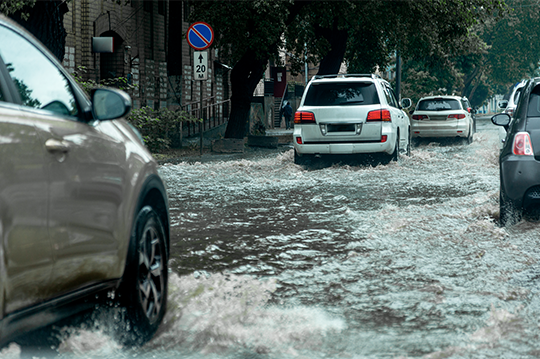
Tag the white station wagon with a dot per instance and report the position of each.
(443, 116)
(350, 114)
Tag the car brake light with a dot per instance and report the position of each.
(379, 115)
(304, 117)
(384, 138)
(299, 140)
(457, 116)
(522, 144)
(420, 117)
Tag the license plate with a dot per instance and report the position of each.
(345, 127)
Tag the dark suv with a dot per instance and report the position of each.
(520, 157)
(83, 211)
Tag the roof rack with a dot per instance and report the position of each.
(373, 76)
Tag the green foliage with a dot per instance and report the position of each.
(160, 129)
(497, 52)
(241, 26)
(375, 30)
(8, 7)
(121, 83)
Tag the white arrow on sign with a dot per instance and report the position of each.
(200, 61)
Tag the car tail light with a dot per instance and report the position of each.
(509, 111)
(522, 144)
(384, 138)
(420, 117)
(457, 116)
(379, 115)
(304, 117)
(299, 140)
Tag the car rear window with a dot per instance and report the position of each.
(341, 94)
(534, 103)
(439, 104)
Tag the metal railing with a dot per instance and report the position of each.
(214, 113)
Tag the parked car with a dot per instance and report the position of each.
(83, 211)
(510, 105)
(349, 115)
(519, 160)
(443, 116)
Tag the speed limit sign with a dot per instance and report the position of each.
(200, 62)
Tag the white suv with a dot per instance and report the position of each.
(350, 114)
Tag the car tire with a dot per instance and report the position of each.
(509, 214)
(409, 144)
(395, 156)
(469, 138)
(143, 291)
(303, 160)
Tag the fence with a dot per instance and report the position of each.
(214, 113)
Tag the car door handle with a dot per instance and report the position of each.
(54, 146)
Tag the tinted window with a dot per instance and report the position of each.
(40, 84)
(341, 93)
(517, 94)
(391, 97)
(534, 103)
(439, 104)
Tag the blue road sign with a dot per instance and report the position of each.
(200, 35)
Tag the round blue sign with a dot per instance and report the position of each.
(200, 35)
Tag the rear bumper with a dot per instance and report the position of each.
(439, 128)
(334, 148)
(520, 180)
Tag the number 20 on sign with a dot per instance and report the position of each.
(200, 62)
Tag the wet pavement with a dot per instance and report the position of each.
(272, 260)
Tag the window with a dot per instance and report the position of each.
(390, 97)
(341, 94)
(40, 83)
(534, 103)
(161, 7)
(439, 104)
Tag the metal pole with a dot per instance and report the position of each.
(305, 64)
(202, 117)
(398, 75)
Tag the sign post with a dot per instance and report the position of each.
(200, 36)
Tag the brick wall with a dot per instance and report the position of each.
(140, 30)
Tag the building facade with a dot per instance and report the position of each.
(148, 51)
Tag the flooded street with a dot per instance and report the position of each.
(270, 260)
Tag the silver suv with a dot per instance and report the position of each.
(350, 114)
(84, 214)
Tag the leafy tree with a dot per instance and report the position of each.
(364, 34)
(248, 33)
(8, 7)
(497, 52)
(44, 19)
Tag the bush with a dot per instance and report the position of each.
(161, 129)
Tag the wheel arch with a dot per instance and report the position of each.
(154, 194)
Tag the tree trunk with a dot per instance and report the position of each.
(331, 63)
(46, 22)
(245, 76)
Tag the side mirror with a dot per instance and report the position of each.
(405, 103)
(502, 104)
(110, 104)
(501, 119)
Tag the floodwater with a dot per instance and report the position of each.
(270, 260)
